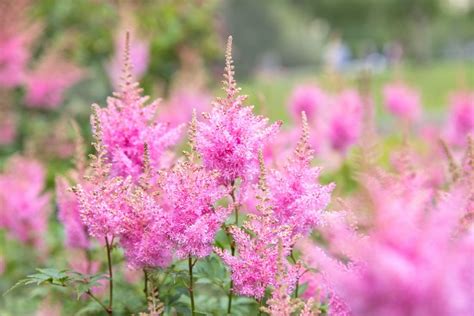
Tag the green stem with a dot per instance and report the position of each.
(232, 247)
(191, 289)
(99, 302)
(292, 256)
(111, 283)
(145, 288)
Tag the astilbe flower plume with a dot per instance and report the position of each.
(296, 197)
(345, 122)
(190, 194)
(415, 262)
(402, 101)
(128, 123)
(260, 242)
(230, 135)
(24, 207)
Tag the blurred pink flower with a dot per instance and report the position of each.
(25, 208)
(345, 122)
(307, 98)
(402, 101)
(47, 83)
(230, 136)
(178, 109)
(16, 36)
(461, 118)
(415, 262)
(69, 215)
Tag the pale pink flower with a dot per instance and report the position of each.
(190, 194)
(345, 122)
(25, 208)
(415, 262)
(402, 101)
(461, 117)
(129, 124)
(308, 98)
(47, 83)
(230, 136)
(69, 215)
(179, 107)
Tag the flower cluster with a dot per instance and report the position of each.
(402, 101)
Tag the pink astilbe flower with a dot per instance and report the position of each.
(402, 101)
(190, 195)
(15, 42)
(182, 101)
(296, 197)
(230, 136)
(128, 123)
(461, 117)
(260, 242)
(309, 99)
(69, 215)
(47, 83)
(24, 207)
(346, 118)
(415, 262)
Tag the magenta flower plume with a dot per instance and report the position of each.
(345, 123)
(260, 243)
(24, 207)
(190, 193)
(402, 101)
(69, 215)
(461, 117)
(296, 197)
(49, 80)
(309, 99)
(230, 136)
(128, 123)
(415, 262)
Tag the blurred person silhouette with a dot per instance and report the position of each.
(336, 54)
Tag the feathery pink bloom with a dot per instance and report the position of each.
(402, 101)
(296, 197)
(69, 215)
(307, 98)
(230, 136)
(415, 262)
(345, 123)
(128, 123)
(461, 117)
(25, 208)
(190, 193)
(47, 83)
(179, 108)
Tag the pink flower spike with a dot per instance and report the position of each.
(307, 98)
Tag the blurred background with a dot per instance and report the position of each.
(57, 57)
